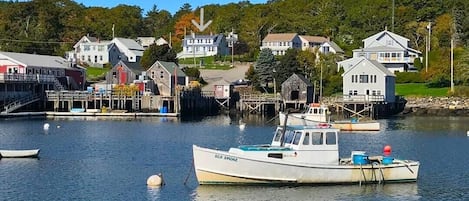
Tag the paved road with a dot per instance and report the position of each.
(231, 75)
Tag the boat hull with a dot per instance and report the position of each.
(31, 153)
(221, 167)
(302, 119)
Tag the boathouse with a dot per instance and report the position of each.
(297, 91)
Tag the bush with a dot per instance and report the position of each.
(438, 82)
(408, 77)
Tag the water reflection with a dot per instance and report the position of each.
(153, 193)
(405, 191)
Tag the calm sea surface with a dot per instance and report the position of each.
(111, 159)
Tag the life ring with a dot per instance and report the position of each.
(324, 125)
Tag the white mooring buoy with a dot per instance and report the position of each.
(46, 126)
(155, 180)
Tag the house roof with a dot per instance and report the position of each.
(301, 77)
(335, 46)
(130, 44)
(374, 63)
(316, 39)
(280, 37)
(172, 67)
(36, 60)
(133, 66)
(392, 35)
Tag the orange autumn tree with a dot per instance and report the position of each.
(184, 22)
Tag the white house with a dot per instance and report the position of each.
(95, 52)
(390, 49)
(368, 80)
(279, 43)
(90, 50)
(311, 42)
(203, 45)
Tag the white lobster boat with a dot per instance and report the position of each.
(298, 155)
(319, 114)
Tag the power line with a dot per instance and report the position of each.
(32, 41)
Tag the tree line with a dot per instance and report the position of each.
(52, 27)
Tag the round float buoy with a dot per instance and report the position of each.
(387, 150)
(46, 126)
(155, 180)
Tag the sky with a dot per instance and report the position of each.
(170, 5)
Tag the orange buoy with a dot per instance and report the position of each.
(387, 150)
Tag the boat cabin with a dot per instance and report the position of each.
(317, 112)
(309, 144)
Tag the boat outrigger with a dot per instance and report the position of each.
(298, 155)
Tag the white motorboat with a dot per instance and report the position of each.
(317, 114)
(26, 153)
(298, 155)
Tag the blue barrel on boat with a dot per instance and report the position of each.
(360, 159)
(387, 160)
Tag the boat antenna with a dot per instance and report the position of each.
(284, 129)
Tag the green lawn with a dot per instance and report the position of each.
(208, 63)
(95, 74)
(419, 89)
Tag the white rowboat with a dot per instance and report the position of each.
(29, 153)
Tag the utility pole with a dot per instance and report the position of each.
(452, 66)
(392, 18)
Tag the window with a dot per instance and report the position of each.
(278, 135)
(289, 137)
(89, 58)
(350, 92)
(325, 50)
(331, 138)
(306, 139)
(296, 140)
(355, 92)
(100, 47)
(389, 42)
(86, 48)
(101, 58)
(95, 59)
(363, 78)
(317, 138)
(161, 74)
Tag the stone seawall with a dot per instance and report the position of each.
(435, 106)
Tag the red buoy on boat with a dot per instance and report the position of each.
(387, 150)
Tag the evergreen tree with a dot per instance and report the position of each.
(265, 66)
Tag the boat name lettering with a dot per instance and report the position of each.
(230, 158)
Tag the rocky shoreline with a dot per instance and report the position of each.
(437, 106)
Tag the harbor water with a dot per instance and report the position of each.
(89, 158)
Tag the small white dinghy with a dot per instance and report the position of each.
(17, 153)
